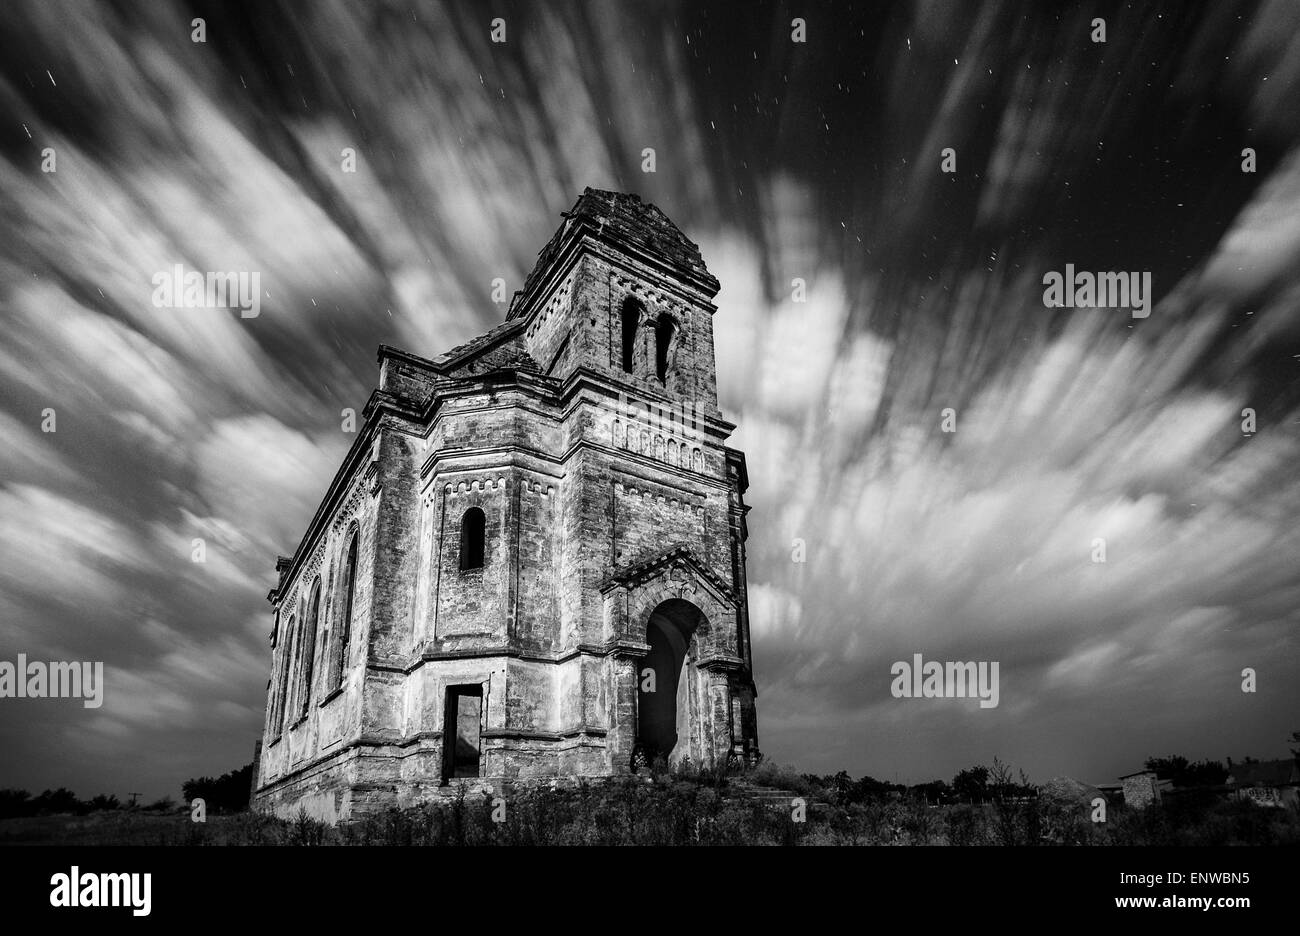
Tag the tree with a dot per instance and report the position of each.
(1004, 785)
(971, 785)
(15, 803)
(936, 791)
(842, 784)
(228, 793)
(869, 788)
(61, 800)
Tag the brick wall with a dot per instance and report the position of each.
(581, 470)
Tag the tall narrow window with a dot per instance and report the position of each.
(286, 664)
(310, 623)
(663, 339)
(348, 585)
(293, 668)
(631, 320)
(472, 527)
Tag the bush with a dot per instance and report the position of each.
(228, 793)
(780, 777)
(15, 803)
(61, 800)
(966, 825)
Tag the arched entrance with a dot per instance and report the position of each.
(668, 703)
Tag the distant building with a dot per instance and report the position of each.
(1114, 792)
(1141, 789)
(1268, 783)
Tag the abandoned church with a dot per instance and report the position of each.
(531, 563)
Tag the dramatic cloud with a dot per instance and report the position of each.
(864, 292)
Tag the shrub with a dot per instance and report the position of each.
(228, 793)
(61, 800)
(15, 803)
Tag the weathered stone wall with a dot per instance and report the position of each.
(648, 517)
(583, 472)
(1141, 790)
(474, 603)
(405, 378)
(550, 336)
(537, 615)
(396, 547)
(332, 718)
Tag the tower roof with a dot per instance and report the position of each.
(623, 220)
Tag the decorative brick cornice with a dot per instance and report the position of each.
(721, 661)
(350, 509)
(679, 559)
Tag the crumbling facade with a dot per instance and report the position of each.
(531, 563)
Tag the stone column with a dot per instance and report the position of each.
(623, 711)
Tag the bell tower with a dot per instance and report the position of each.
(619, 310)
(619, 289)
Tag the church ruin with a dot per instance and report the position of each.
(531, 563)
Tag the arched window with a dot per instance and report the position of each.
(308, 656)
(348, 586)
(293, 667)
(631, 321)
(472, 527)
(286, 664)
(663, 338)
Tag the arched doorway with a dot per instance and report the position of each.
(667, 688)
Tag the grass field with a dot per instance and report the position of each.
(677, 811)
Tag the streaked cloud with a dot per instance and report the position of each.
(819, 163)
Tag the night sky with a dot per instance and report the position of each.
(818, 161)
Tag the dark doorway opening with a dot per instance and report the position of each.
(462, 730)
(664, 709)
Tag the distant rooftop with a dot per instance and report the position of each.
(1264, 773)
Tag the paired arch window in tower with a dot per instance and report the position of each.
(473, 529)
(664, 331)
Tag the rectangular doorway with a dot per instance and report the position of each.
(462, 728)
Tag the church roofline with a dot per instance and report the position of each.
(449, 360)
(338, 487)
(389, 351)
(619, 222)
(484, 342)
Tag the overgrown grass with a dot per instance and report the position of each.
(691, 808)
